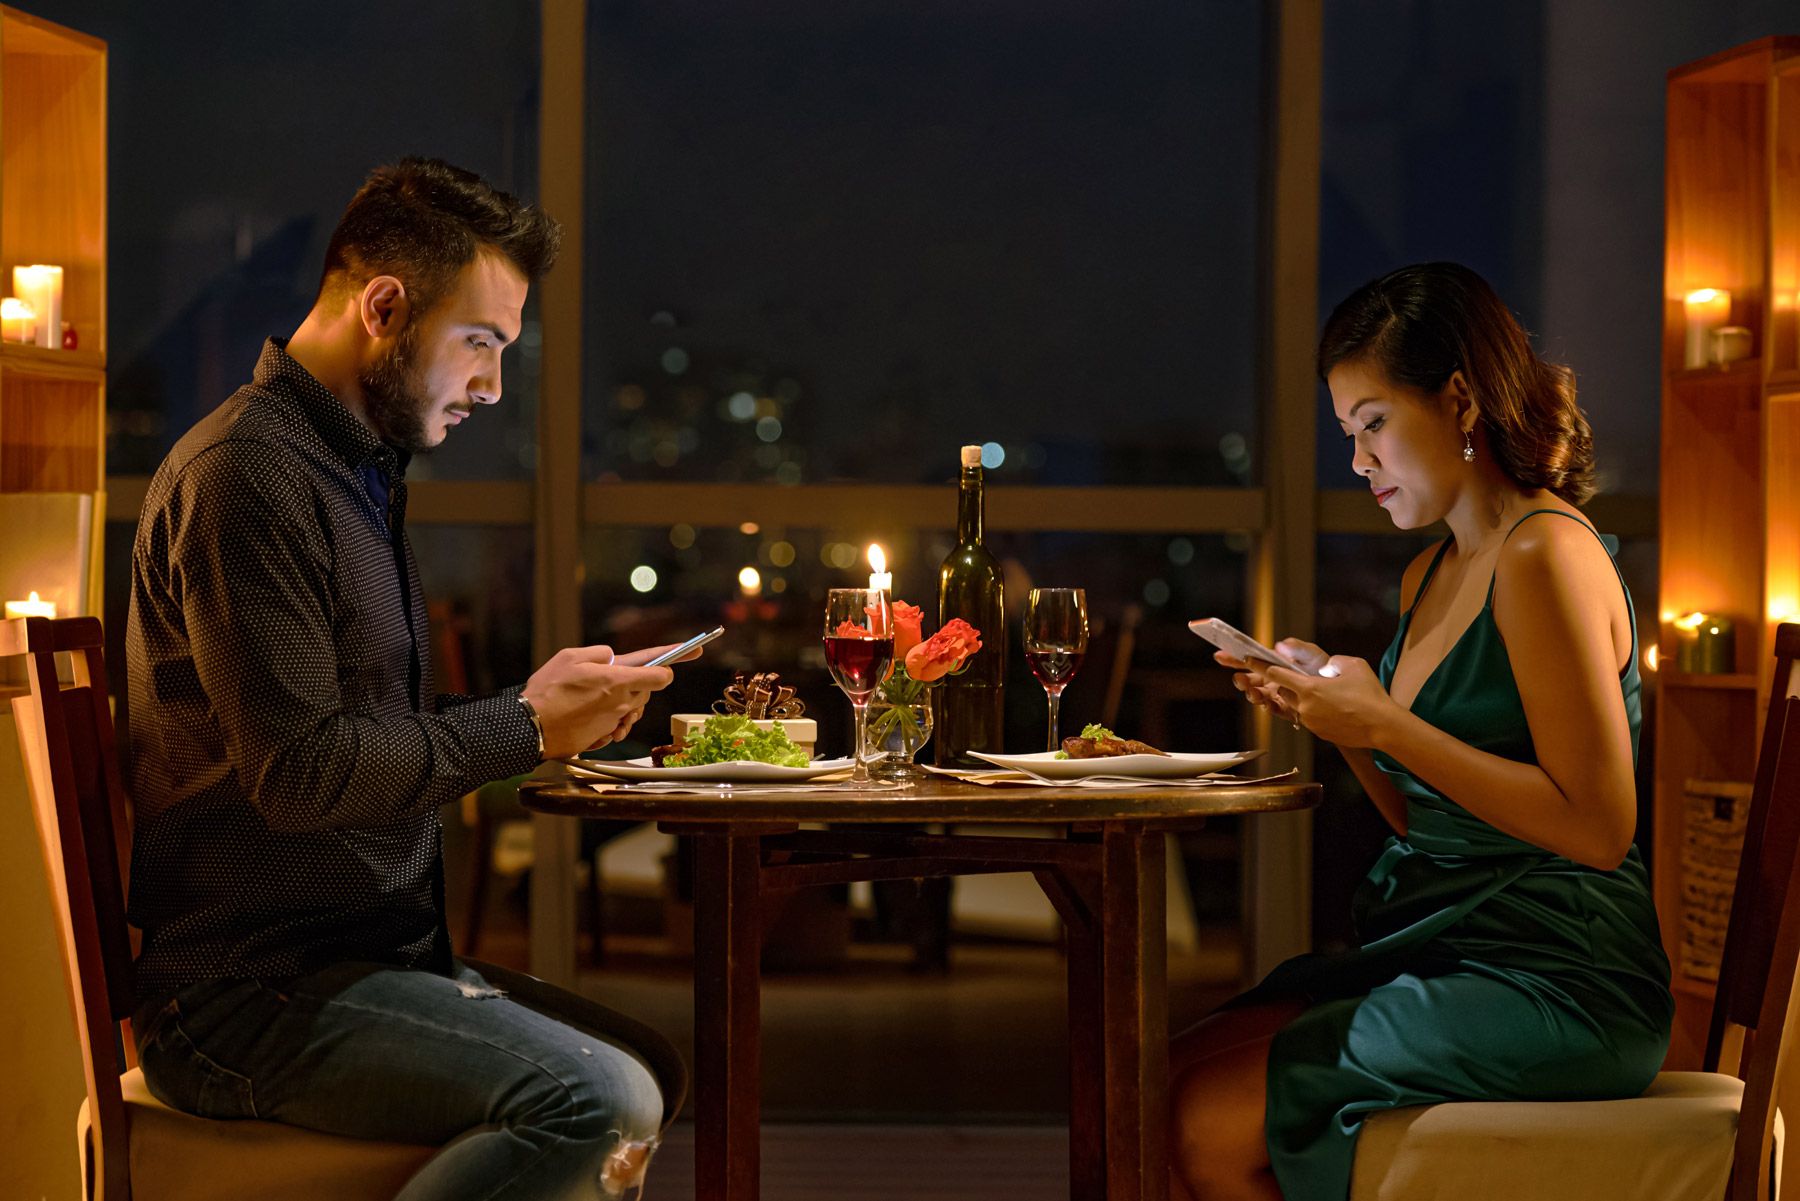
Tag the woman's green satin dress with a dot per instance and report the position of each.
(1490, 969)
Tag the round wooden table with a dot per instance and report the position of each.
(1105, 876)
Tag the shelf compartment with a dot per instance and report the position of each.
(53, 164)
(50, 428)
(1716, 198)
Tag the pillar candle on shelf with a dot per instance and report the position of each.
(42, 286)
(30, 608)
(18, 320)
(1705, 310)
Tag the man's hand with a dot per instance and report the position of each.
(586, 699)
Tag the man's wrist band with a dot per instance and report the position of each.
(537, 723)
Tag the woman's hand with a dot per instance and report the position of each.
(1247, 676)
(1345, 703)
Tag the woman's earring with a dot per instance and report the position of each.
(1468, 446)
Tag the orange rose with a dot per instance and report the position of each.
(849, 629)
(943, 652)
(907, 633)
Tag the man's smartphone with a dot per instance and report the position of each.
(675, 652)
(1234, 641)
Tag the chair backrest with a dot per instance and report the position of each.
(1762, 943)
(83, 821)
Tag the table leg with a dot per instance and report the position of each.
(1135, 1013)
(727, 1016)
(1087, 1058)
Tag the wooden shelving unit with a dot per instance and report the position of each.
(1730, 508)
(53, 210)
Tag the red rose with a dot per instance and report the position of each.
(943, 652)
(907, 633)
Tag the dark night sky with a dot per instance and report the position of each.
(1021, 229)
(1035, 221)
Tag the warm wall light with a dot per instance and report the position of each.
(1705, 310)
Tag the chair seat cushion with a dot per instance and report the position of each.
(178, 1157)
(1674, 1143)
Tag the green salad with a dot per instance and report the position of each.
(1092, 730)
(733, 739)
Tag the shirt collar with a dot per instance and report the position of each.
(280, 373)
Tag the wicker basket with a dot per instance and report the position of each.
(1712, 838)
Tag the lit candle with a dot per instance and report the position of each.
(30, 608)
(18, 320)
(42, 286)
(750, 580)
(881, 579)
(1705, 310)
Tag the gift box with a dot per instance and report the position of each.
(804, 731)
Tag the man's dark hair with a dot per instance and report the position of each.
(422, 221)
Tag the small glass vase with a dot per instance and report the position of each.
(897, 732)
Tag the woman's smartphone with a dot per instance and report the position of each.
(1234, 641)
(675, 652)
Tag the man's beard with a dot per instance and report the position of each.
(394, 404)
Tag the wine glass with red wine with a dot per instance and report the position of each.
(1056, 636)
(859, 646)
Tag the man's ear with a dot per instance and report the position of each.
(1468, 412)
(384, 307)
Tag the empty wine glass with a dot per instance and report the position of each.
(859, 645)
(1056, 636)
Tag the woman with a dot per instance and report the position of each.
(1509, 946)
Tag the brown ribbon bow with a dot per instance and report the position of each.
(760, 696)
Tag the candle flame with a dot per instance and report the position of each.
(1705, 295)
(1651, 658)
(877, 558)
(1692, 621)
(750, 580)
(34, 598)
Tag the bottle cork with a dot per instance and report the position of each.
(971, 456)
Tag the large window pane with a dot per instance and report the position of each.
(830, 242)
(232, 152)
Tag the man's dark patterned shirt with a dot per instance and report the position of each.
(288, 754)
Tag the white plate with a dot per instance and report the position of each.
(1175, 766)
(737, 772)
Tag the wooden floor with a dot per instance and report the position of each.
(887, 1163)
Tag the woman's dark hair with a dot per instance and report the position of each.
(422, 221)
(1422, 324)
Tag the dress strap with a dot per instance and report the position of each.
(1429, 572)
(1610, 558)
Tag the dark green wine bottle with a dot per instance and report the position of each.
(969, 708)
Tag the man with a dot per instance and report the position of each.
(289, 756)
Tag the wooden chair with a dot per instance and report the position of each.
(130, 1143)
(1703, 1136)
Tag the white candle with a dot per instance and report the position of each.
(1705, 310)
(880, 579)
(30, 608)
(42, 286)
(18, 320)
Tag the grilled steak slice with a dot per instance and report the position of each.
(1107, 748)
